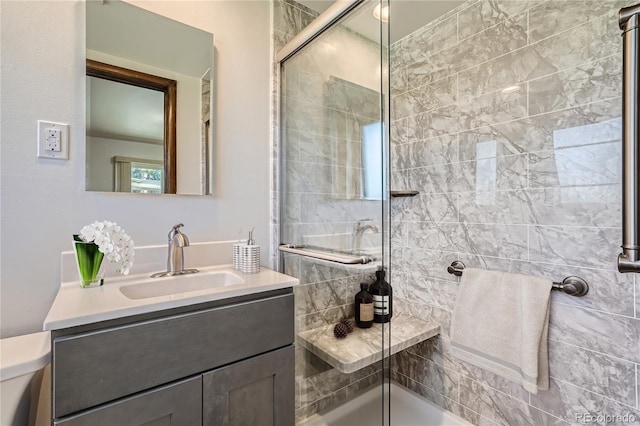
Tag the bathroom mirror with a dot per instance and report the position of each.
(148, 102)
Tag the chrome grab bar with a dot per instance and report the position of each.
(629, 259)
(573, 286)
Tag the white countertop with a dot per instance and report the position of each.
(74, 305)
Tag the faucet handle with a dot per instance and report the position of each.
(358, 224)
(178, 237)
(175, 230)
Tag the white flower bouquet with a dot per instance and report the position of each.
(101, 239)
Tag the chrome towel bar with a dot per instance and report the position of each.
(573, 286)
(327, 254)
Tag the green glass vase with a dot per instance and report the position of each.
(89, 260)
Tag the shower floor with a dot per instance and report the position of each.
(407, 409)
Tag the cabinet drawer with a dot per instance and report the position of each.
(179, 404)
(100, 366)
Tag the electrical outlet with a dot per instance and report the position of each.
(52, 143)
(53, 140)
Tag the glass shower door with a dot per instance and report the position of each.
(334, 221)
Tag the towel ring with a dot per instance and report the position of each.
(573, 286)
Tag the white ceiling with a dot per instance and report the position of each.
(124, 112)
(405, 16)
(120, 29)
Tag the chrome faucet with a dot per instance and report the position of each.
(175, 259)
(359, 229)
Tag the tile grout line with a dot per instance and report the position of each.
(509, 121)
(527, 88)
(438, 393)
(529, 44)
(528, 243)
(573, 227)
(457, 27)
(450, 136)
(331, 394)
(528, 27)
(550, 414)
(590, 391)
(617, 358)
(588, 309)
(497, 191)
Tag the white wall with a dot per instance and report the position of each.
(101, 151)
(43, 202)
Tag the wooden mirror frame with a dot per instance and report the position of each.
(149, 81)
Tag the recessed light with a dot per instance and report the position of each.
(381, 13)
(510, 89)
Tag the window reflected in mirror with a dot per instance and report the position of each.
(138, 175)
(374, 162)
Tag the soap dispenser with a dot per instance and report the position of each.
(364, 307)
(382, 298)
(250, 256)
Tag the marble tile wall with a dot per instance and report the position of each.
(288, 18)
(526, 182)
(324, 108)
(322, 189)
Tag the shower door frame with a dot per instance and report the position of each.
(334, 14)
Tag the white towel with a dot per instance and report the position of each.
(500, 323)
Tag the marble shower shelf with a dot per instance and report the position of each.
(363, 346)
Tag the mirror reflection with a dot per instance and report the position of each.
(148, 118)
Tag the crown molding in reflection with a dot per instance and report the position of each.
(120, 137)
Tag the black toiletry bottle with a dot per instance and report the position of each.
(382, 298)
(364, 307)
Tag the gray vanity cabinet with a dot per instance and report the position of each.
(222, 362)
(257, 392)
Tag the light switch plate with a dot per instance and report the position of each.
(53, 140)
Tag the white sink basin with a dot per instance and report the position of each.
(180, 284)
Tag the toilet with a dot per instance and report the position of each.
(25, 380)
